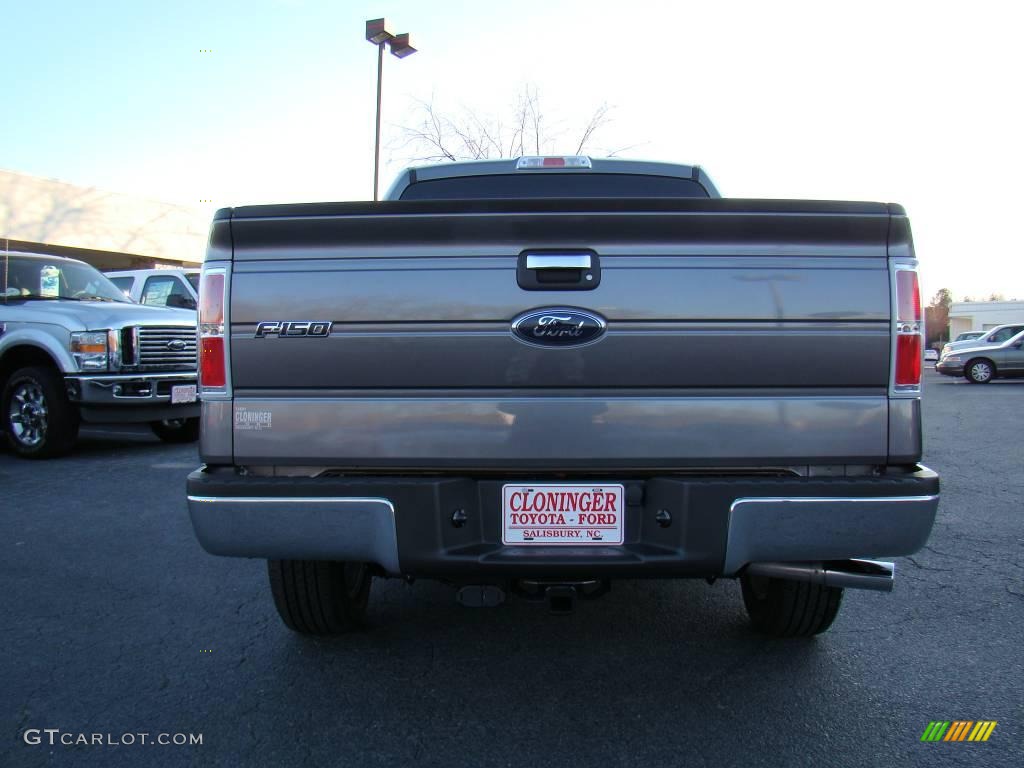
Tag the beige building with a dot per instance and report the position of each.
(107, 229)
(982, 315)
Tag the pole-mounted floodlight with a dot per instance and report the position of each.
(401, 46)
(377, 32)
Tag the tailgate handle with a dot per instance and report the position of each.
(558, 261)
(559, 270)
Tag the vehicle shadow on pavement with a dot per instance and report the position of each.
(662, 662)
(92, 443)
(95, 442)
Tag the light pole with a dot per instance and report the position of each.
(377, 33)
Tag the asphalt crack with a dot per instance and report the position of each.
(928, 567)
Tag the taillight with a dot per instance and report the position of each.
(908, 360)
(909, 331)
(212, 371)
(212, 351)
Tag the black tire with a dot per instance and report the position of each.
(176, 430)
(38, 419)
(786, 608)
(318, 597)
(980, 370)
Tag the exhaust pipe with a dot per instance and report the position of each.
(854, 574)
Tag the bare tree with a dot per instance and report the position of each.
(437, 136)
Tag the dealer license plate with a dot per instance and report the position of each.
(183, 393)
(557, 514)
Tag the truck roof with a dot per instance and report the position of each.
(464, 168)
(41, 256)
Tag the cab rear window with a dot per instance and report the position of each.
(124, 283)
(552, 185)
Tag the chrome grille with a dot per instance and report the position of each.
(166, 347)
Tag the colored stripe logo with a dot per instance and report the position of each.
(958, 730)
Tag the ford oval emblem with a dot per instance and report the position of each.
(176, 345)
(558, 327)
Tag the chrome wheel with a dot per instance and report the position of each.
(980, 371)
(28, 414)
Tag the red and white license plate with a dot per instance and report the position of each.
(183, 393)
(557, 514)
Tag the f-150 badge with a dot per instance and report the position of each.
(293, 328)
(558, 327)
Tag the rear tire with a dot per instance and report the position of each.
(38, 419)
(980, 371)
(319, 597)
(176, 430)
(787, 608)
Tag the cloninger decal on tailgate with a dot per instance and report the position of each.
(247, 419)
(293, 328)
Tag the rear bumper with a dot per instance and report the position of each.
(719, 525)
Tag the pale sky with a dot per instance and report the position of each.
(910, 102)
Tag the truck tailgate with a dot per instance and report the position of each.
(739, 333)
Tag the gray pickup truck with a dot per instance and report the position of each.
(538, 375)
(73, 348)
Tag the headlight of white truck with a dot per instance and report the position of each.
(89, 348)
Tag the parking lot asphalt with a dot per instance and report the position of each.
(116, 622)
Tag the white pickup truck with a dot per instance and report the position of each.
(177, 288)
